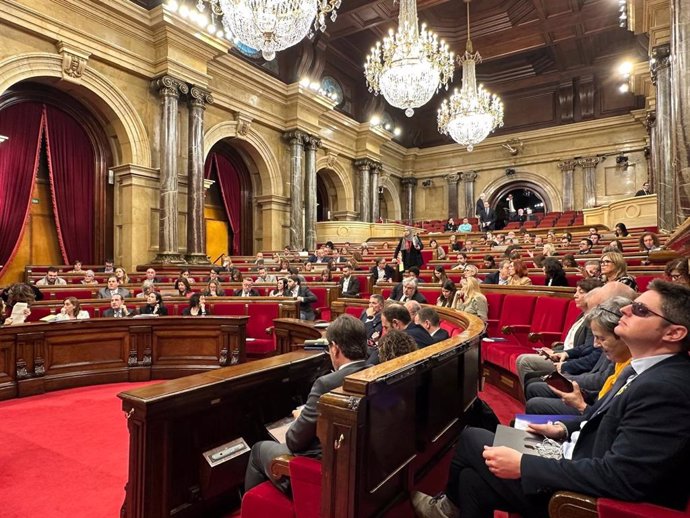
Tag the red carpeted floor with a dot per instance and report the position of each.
(64, 454)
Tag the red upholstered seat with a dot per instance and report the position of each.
(453, 330)
(503, 354)
(608, 508)
(229, 308)
(266, 501)
(85, 293)
(517, 312)
(495, 302)
(305, 478)
(260, 329)
(644, 280)
(355, 311)
(321, 306)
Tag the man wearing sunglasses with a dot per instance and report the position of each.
(632, 446)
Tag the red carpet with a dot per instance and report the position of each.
(64, 454)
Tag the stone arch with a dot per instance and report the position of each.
(547, 191)
(251, 144)
(392, 195)
(96, 92)
(337, 178)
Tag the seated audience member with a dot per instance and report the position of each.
(429, 320)
(489, 262)
(413, 308)
(348, 283)
(395, 343)
(614, 246)
(595, 239)
(453, 244)
(264, 276)
(226, 263)
(649, 242)
(151, 276)
(460, 262)
(468, 247)
(553, 270)
(279, 290)
(407, 290)
(308, 267)
(247, 289)
(117, 309)
(304, 296)
(347, 350)
(615, 269)
(602, 320)
(89, 278)
(197, 306)
(591, 270)
(214, 275)
(439, 276)
(325, 275)
(578, 341)
(678, 271)
(445, 299)
(501, 276)
(470, 299)
(585, 246)
(631, 446)
(517, 270)
(372, 319)
(154, 305)
(620, 230)
(51, 278)
(146, 288)
(397, 316)
(214, 289)
(284, 266)
(438, 252)
(569, 261)
(449, 226)
(465, 226)
(183, 288)
(319, 257)
(113, 288)
(235, 275)
(185, 274)
(645, 191)
(77, 268)
(109, 266)
(121, 275)
(470, 271)
(71, 310)
(18, 292)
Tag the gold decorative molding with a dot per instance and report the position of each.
(74, 62)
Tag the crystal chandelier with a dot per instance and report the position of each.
(411, 64)
(265, 25)
(472, 113)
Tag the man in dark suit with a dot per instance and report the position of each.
(487, 218)
(117, 308)
(428, 319)
(500, 276)
(479, 207)
(632, 444)
(347, 349)
(113, 288)
(349, 284)
(407, 290)
(304, 295)
(372, 319)
(397, 316)
(319, 257)
(247, 289)
(644, 191)
(381, 272)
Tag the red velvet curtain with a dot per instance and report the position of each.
(72, 173)
(23, 124)
(227, 174)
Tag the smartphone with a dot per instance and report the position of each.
(558, 381)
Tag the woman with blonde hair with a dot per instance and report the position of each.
(470, 299)
(470, 271)
(615, 269)
(121, 275)
(518, 273)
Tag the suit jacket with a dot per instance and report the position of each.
(353, 288)
(487, 219)
(439, 336)
(557, 280)
(642, 192)
(252, 293)
(110, 312)
(411, 257)
(305, 305)
(104, 293)
(301, 436)
(389, 273)
(479, 207)
(636, 449)
(492, 278)
(372, 326)
(420, 335)
(397, 293)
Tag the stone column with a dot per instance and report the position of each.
(409, 183)
(364, 166)
(169, 90)
(196, 223)
(589, 167)
(680, 105)
(311, 144)
(568, 169)
(468, 179)
(375, 173)
(296, 139)
(453, 180)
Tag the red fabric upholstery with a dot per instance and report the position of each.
(80, 294)
(608, 508)
(229, 308)
(266, 501)
(321, 305)
(503, 354)
(355, 311)
(644, 280)
(305, 478)
(452, 329)
(495, 302)
(260, 318)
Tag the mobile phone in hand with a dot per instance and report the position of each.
(559, 382)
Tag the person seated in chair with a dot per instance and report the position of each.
(51, 278)
(397, 316)
(304, 296)
(372, 319)
(381, 272)
(349, 284)
(429, 320)
(117, 308)
(113, 288)
(347, 349)
(407, 290)
(247, 289)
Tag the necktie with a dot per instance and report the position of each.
(621, 382)
(403, 299)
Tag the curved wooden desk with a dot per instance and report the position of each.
(40, 357)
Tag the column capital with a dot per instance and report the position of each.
(452, 178)
(650, 120)
(199, 97)
(295, 136)
(660, 59)
(311, 142)
(469, 176)
(588, 162)
(567, 165)
(168, 86)
(364, 164)
(409, 181)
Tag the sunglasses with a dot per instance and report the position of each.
(640, 310)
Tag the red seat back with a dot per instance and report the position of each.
(516, 310)
(571, 316)
(549, 313)
(305, 480)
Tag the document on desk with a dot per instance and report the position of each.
(18, 313)
(278, 429)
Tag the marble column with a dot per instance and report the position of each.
(662, 136)
(296, 140)
(680, 104)
(453, 180)
(169, 90)
(375, 173)
(409, 183)
(311, 144)
(589, 168)
(196, 223)
(468, 179)
(568, 169)
(364, 167)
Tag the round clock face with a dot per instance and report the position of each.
(332, 87)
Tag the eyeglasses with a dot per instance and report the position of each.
(675, 276)
(640, 310)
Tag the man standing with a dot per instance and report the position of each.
(479, 207)
(644, 191)
(512, 213)
(349, 285)
(487, 217)
(304, 296)
(347, 350)
(631, 445)
(51, 278)
(409, 247)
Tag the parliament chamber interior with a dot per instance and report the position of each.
(410, 229)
